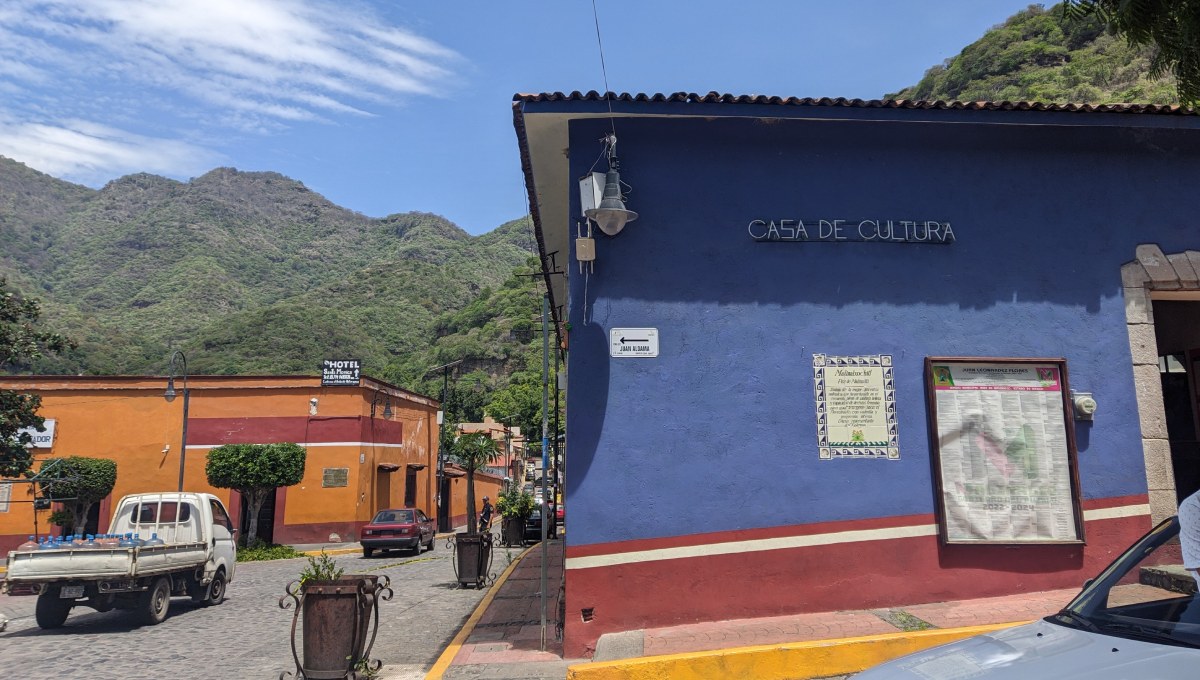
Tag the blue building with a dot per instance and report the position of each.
(858, 354)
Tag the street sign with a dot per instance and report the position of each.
(633, 342)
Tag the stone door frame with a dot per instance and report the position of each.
(1154, 275)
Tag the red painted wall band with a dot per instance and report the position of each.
(847, 576)
(298, 429)
(799, 530)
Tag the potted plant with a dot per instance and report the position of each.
(514, 506)
(473, 551)
(337, 611)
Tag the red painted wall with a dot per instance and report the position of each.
(842, 576)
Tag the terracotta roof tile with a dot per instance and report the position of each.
(718, 98)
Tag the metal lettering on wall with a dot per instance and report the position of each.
(335, 477)
(856, 406)
(864, 231)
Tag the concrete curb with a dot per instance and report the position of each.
(791, 661)
(451, 651)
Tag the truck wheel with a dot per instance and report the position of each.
(154, 603)
(51, 611)
(216, 589)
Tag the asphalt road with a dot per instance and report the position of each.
(248, 635)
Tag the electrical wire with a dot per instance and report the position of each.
(604, 69)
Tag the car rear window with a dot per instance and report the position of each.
(144, 513)
(401, 516)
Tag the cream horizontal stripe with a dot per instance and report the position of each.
(756, 545)
(378, 445)
(1117, 512)
(785, 542)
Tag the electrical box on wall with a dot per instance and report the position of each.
(585, 249)
(591, 190)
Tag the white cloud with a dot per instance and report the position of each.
(91, 153)
(191, 69)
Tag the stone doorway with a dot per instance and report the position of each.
(1162, 310)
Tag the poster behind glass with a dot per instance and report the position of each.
(1004, 450)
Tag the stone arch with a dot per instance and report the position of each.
(1155, 275)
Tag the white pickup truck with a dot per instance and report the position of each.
(197, 558)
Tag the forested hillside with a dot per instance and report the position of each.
(1039, 55)
(245, 272)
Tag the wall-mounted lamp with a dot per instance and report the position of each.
(312, 406)
(609, 213)
(1085, 405)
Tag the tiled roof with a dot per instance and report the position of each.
(718, 98)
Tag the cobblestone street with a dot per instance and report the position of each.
(247, 636)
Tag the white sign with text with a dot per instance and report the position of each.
(633, 342)
(41, 440)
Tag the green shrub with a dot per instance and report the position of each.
(261, 552)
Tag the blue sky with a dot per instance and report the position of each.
(391, 106)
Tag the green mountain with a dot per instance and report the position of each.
(246, 272)
(1040, 55)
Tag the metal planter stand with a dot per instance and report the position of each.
(472, 558)
(338, 634)
(513, 530)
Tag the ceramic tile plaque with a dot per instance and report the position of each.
(856, 406)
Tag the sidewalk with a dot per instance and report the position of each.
(502, 638)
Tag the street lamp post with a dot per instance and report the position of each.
(443, 491)
(169, 395)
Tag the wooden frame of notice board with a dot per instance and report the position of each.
(1002, 441)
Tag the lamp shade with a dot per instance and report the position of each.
(611, 215)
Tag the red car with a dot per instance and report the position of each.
(403, 528)
(559, 513)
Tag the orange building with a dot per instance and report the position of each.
(369, 446)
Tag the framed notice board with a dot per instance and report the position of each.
(1003, 446)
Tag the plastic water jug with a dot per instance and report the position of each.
(90, 543)
(48, 544)
(31, 544)
(155, 540)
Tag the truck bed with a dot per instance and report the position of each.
(32, 566)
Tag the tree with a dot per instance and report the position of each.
(78, 483)
(20, 341)
(255, 470)
(474, 451)
(1171, 26)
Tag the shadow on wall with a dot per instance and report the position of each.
(1030, 227)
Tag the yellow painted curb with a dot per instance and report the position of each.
(451, 651)
(335, 551)
(790, 661)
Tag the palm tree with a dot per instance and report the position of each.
(474, 451)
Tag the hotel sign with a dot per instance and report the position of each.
(863, 231)
(340, 372)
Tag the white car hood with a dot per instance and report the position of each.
(1043, 650)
